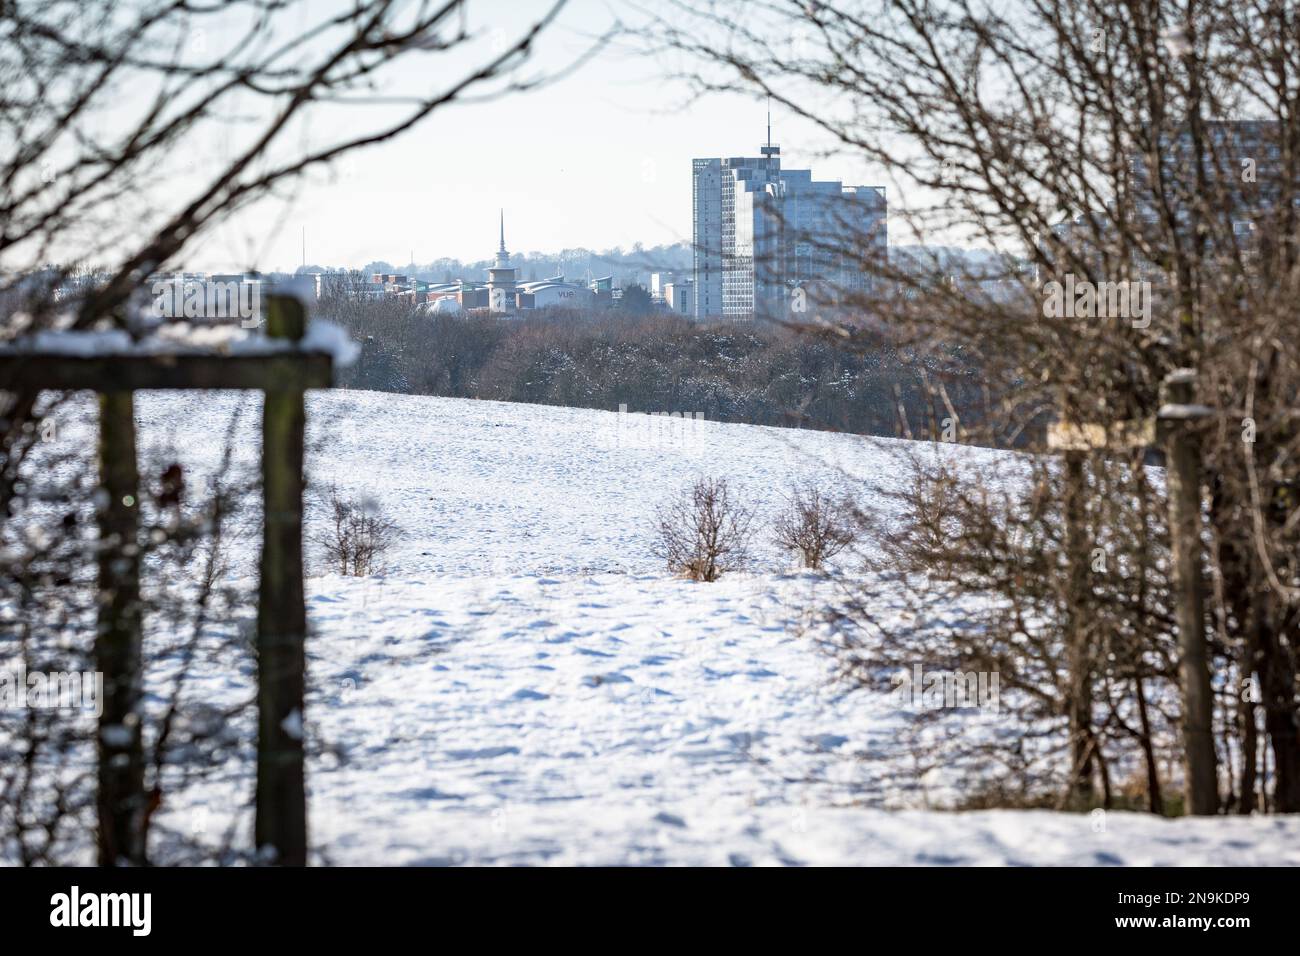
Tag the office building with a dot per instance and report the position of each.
(760, 232)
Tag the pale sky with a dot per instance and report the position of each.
(599, 159)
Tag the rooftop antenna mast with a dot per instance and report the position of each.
(769, 150)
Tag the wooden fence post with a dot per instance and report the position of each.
(1183, 476)
(120, 801)
(1078, 637)
(281, 823)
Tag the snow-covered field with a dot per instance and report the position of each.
(527, 685)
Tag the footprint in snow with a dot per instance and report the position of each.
(525, 693)
(484, 753)
(595, 680)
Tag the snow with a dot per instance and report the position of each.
(332, 339)
(527, 685)
(302, 288)
(292, 724)
(1183, 412)
(184, 338)
(116, 735)
(74, 344)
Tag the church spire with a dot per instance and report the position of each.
(501, 277)
(503, 257)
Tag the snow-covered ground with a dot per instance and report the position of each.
(527, 685)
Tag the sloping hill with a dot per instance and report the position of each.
(526, 684)
(479, 486)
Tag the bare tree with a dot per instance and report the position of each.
(704, 532)
(1141, 161)
(815, 526)
(358, 536)
(130, 130)
(119, 200)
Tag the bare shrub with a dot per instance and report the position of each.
(1170, 123)
(358, 536)
(704, 532)
(816, 525)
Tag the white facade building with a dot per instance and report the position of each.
(680, 296)
(551, 293)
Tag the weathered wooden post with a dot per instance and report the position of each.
(1075, 440)
(120, 798)
(281, 820)
(1078, 637)
(283, 375)
(1183, 476)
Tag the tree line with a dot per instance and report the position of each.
(758, 373)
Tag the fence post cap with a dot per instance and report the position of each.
(286, 314)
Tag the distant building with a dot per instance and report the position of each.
(503, 293)
(550, 293)
(760, 231)
(659, 281)
(679, 296)
(1242, 166)
(445, 305)
(1240, 183)
(501, 277)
